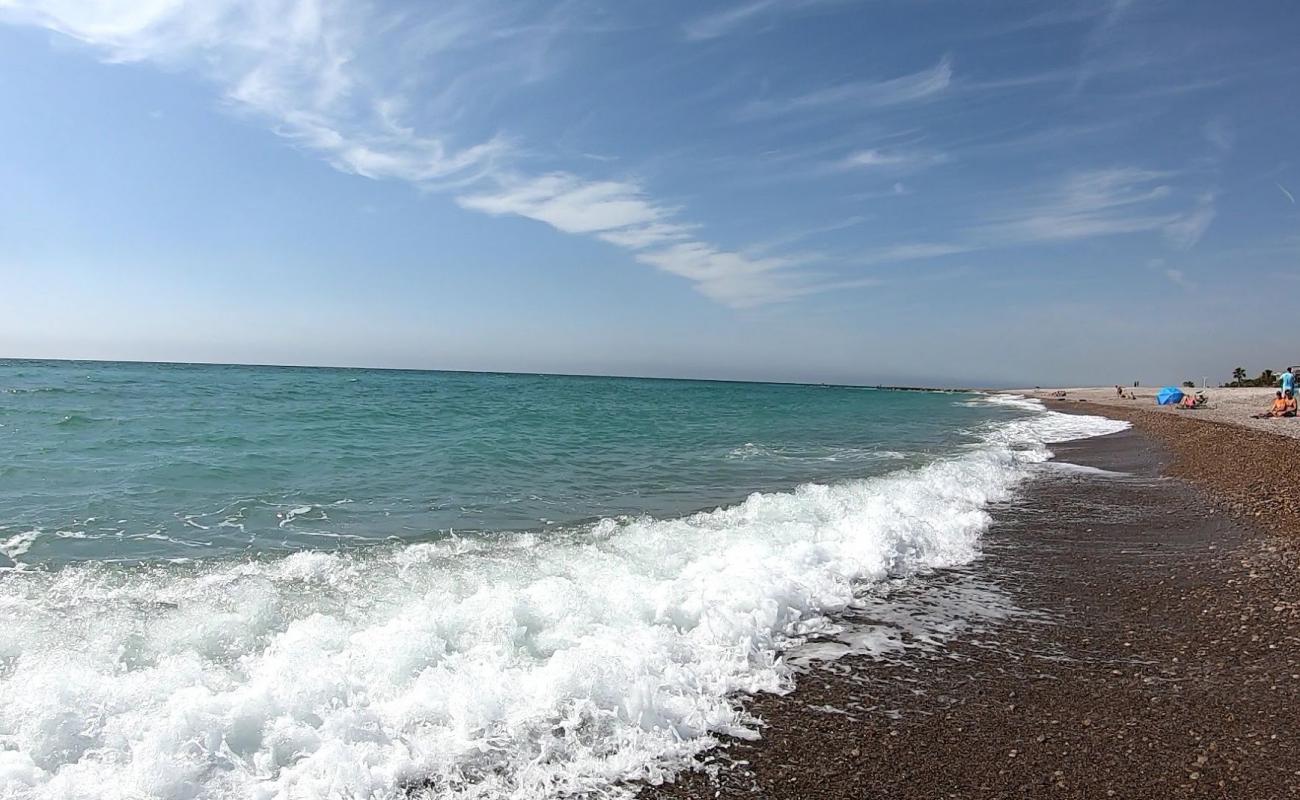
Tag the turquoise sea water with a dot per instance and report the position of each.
(164, 461)
(235, 583)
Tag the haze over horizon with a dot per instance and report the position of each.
(810, 190)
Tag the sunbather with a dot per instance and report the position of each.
(1280, 407)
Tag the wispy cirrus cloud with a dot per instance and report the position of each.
(621, 213)
(892, 159)
(1220, 133)
(298, 65)
(722, 23)
(320, 73)
(857, 95)
(745, 16)
(794, 236)
(913, 251)
(1175, 276)
(1188, 229)
(1101, 202)
(1084, 205)
(571, 204)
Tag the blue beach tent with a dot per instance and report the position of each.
(1169, 396)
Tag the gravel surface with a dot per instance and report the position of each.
(1156, 652)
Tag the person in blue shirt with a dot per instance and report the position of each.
(1288, 381)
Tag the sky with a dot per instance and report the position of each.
(936, 193)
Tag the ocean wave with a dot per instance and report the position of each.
(36, 390)
(1006, 399)
(75, 420)
(525, 666)
(13, 548)
(752, 450)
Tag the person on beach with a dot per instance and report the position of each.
(1284, 405)
(1288, 381)
(1192, 400)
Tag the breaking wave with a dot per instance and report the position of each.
(512, 666)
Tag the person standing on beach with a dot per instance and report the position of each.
(1288, 381)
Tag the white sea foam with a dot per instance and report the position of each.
(751, 450)
(1007, 399)
(524, 666)
(1084, 469)
(14, 547)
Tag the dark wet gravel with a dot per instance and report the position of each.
(1162, 659)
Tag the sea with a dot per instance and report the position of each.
(223, 582)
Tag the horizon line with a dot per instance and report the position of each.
(965, 389)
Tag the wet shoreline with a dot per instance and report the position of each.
(1153, 652)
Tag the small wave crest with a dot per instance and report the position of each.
(13, 548)
(78, 420)
(751, 450)
(36, 390)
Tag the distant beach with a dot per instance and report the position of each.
(1234, 406)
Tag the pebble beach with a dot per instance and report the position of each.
(1158, 654)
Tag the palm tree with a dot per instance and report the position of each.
(1239, 375)
(1266, 378)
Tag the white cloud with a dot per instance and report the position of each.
(1171, 274)
(297, 64)
(1188, 229)
(643, 236)
(873, 158)
(912, 251)
(1219, 132)
(898, 159)
(619, 212)
(729, 277)
(1101, 202)
(319, 73)
(571, 204)
(745, 15)
(725, 22)
(1087, 204)
(794, 236)
(915, 87)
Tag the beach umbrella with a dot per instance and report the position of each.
(1169, 396)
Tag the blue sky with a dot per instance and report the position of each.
(825, 190)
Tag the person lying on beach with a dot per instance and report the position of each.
(1192, 401)
(1280, 407)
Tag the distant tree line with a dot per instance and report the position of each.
(1266, 378)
